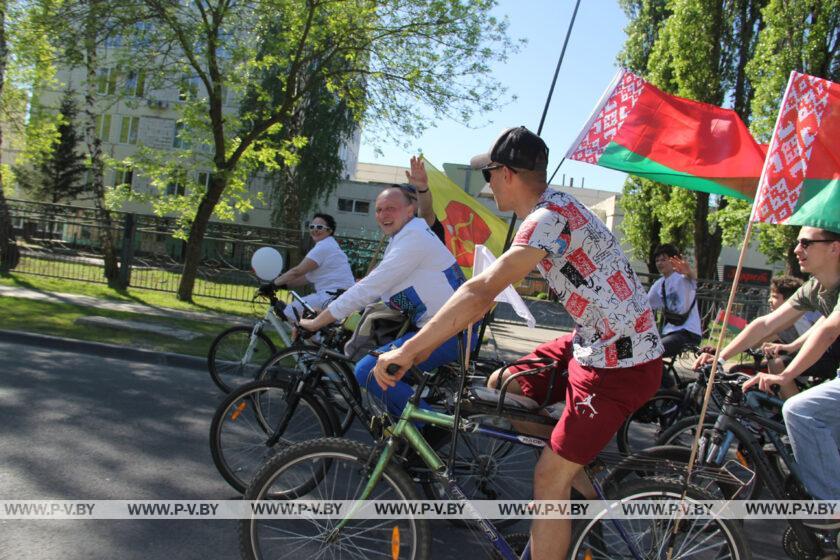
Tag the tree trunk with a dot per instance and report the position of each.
(9, 252)
(198, 229)
(707, 244)
(655, 233)
(94, 146)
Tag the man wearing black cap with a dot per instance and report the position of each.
(613, 357)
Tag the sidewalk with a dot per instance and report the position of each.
(503, 340)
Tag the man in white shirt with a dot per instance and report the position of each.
(417, 275)
(676, 292)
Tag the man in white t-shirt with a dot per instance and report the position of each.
(325, 266)
(676, 291)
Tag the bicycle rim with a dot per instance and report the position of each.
(340, 467)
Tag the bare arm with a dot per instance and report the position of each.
(465, 307)
(790, 348)
(296, 276)
(419, 180)
(758, 330)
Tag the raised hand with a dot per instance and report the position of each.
(416, 176)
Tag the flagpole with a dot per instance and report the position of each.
(489, 316)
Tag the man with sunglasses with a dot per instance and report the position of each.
(613, 357)
(812, 417)
(417, 275)
(325, 266)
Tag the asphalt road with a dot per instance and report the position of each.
(77, 426)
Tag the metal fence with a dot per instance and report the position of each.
(62, 241)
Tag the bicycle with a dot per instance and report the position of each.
(243, 437)
(751, 426)
(335, 469)
(236, 355)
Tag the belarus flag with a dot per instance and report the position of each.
(638, 129)
(800, 183)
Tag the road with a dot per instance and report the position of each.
(76, 426)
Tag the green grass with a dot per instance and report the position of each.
(132, 295)
(58, 319)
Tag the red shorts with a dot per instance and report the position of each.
(598, 400)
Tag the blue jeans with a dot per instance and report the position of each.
(812, 419)
(397, 397)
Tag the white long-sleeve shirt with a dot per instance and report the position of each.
(417, 275)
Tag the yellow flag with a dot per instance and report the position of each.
(467, 221)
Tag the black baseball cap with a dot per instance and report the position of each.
(515, 147)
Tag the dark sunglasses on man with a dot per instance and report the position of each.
(319, 227)
(486, 170)
(805, 243)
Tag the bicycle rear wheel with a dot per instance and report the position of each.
(696, 539)
(226, 358)
(245, 422)
(341, 468)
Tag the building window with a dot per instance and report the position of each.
(204, 179)
(179, 140)
(103, 127)
(187, 88)
(177, 187)
(135, 83)
(106, 81)
(124, 177)
(355, 206)
(128, 130)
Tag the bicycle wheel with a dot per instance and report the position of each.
(488, 468)
(341, 468)
(226, 358)
(642, 428)
(682, 433)
(245, 421)
(696, 539)
(293, 361)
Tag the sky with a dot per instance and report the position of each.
(588, 67)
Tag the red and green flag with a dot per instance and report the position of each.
(638, 129)
(800, 183)
(735, 325)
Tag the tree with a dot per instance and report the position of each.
(59, 175)
(403, 63)
(9, 252)
(802, 35)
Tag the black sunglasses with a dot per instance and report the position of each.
(486, 171)
(808, 242)
(319, 227)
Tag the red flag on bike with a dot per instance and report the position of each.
(800, 183)
(638, 129)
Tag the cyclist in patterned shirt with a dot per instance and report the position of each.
(613, 357)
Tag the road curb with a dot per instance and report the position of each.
(168, 359)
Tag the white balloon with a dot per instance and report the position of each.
(267, 263)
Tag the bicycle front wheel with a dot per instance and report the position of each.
(227, 362)
(642, 428)
(696, 539)
(243, 427)
(294, 361)
(341, 468)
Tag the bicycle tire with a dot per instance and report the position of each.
(340, 466)
(646, 423)
(242, 425)
(290, 361)
(598, 539)
(226, 352)
(682, 433)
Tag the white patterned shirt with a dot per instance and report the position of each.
(614, 325)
